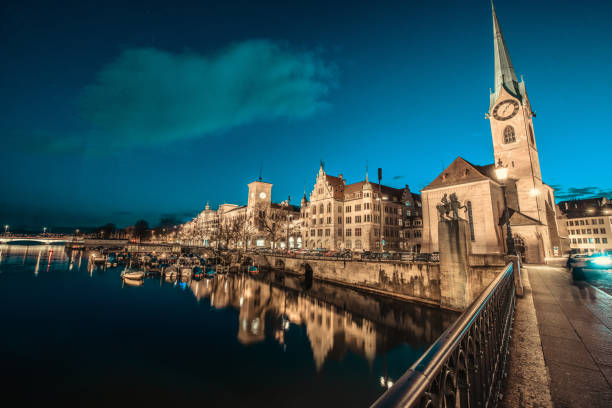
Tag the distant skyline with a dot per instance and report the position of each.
(114, 112)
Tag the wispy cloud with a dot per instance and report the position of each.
(152, 97)
(571, 193)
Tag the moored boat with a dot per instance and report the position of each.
(133, 275)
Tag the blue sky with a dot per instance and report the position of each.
(116, 112)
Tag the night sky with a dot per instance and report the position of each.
(114, 112)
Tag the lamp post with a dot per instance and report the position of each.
(501, 172)
(44, 230)
(287, 226)
(6, 227)
(380, 209)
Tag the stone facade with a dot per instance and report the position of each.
(588, 224)
(264, 219)
(530, 202)
(340, 216)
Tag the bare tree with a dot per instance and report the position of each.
(273, 223)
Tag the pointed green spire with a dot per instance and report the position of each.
(504, 72)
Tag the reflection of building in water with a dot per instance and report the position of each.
(337, 320)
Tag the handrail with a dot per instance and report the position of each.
(464, 366)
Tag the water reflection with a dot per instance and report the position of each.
(336, 319)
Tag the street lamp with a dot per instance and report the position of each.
(6, 227)
(44, 230)
(501, 172)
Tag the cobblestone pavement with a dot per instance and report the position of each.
(575, 325)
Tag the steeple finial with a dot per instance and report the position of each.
(504, 72)
(367, 179)
(260, 169)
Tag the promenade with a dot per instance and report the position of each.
(567, 326)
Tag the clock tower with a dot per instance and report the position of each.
(260, 193)
(514, 144)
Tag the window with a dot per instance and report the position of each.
(588, 231)
(347, 209)
(602, 230)
(321, 220)
(357, 207)
(348, 220)
(348, 244)
(339, 232)
(329, 207)
(399, 222)
(580, 240)
(321, 208)
(581, 222)
(601, 221)
(368, 218)
(314, 221)
(357, 232)
(586, 222)
(312, 233)
(509, 136)
(347, 232)
(357, 244)
(597, 240)
(357, 218)
(573, 240)
(407, 234)
(339, 208)
(320, 232)
(583, 231)
(339, 220)
(327, 232)
(329, 220)
(418, 233)
(366, 206)
(604, 240)
(571, 223)
(314, 209)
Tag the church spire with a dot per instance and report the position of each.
(504, 72)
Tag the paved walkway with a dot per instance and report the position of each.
(575, 325)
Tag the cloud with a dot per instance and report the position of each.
(572, 193)
(148, 96)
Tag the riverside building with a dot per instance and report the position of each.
(588, 223)
(361, 216)
(481, 189)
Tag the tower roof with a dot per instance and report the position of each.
(504, 72)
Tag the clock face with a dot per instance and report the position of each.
(262, 195)
(505, 110)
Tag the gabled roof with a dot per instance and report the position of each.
(461, 171)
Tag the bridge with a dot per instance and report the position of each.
(42, 239)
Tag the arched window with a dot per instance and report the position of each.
(509, 136)
(470, 219)
(328, 207)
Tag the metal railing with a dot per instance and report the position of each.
(465, 366)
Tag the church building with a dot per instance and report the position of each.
(481, 189)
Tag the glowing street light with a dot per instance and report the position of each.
(44, 230)
(6, 227)
(501, 172)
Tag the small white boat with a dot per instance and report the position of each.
(186, 272)
(133, 282)
(133, 275)
(97, 257)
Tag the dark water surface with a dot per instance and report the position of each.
(72, 334)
